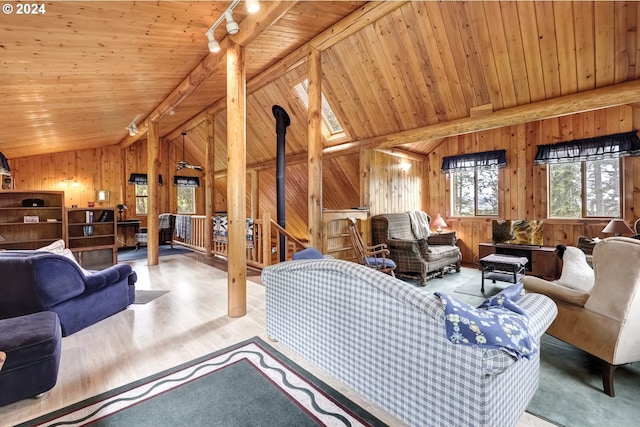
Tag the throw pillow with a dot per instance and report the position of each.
(308, 253)
(58, 245)
(576, 272)
(58, 248)
(501, 324)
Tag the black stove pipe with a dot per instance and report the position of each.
(282, 121)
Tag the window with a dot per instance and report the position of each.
(186, 200)
(331, 127)
(142, 199)
(585, 189)
(475, 192)
(474, 182)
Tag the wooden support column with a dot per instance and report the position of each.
(153, 149)
(209, 178)
(314, 152)
(236, 180)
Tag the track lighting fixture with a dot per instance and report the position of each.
(232, 26)
(133, 128)
(214, 46)
(253, 6)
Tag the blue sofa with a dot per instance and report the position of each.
(387, 339)
(35, 281)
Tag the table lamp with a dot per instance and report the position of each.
(121, 207)
(439, 223)
(617, 226)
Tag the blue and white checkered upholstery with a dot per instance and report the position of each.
(386, 339)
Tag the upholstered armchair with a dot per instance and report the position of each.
(415, 256)
(603, 320)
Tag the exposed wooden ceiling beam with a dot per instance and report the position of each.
(365, 15)
(250, 28)
(595, 99)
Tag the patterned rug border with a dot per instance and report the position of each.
(333, 397)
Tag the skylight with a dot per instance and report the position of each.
(330, 124)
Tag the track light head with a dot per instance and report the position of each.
(132, 128)
(253, 6)
(232, 26)
(214, 46)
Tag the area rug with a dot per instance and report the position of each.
(570, 392)
(144, 296)
(248, 384)
(472, 287)
(130, 254)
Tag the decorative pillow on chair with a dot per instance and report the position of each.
(576, 272)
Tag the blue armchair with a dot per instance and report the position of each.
(35, 281)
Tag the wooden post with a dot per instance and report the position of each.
(314, 153)
(209, 178)
(153, 148)
(236, 180)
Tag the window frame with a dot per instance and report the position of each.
(452, 184)
(583, 190)
(301, 90)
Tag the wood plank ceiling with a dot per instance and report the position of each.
(76, 76)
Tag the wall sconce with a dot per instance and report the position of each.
(133, 128)
(102, 195)
(404, 167)
(66, 182)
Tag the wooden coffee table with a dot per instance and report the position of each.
(506, 268)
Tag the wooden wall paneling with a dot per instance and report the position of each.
(514, 47)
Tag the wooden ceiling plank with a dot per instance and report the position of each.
(252, 25)
(585, 45)
(356, 21)
(548, 49)
(566, 45)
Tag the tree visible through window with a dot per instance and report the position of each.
(186, 200)
(142, 199)
(475, 192)
(585, 189)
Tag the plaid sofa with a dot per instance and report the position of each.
(415, 256)
(386, 339)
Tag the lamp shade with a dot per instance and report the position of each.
(439, 223)
(618, 227)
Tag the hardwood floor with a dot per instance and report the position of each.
(189, 321)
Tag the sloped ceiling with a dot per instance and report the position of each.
(77, 76)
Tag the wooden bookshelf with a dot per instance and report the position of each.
(91, 236)
(46, 212)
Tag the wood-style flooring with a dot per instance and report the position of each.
(189, 321)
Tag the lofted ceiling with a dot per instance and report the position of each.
(74, 77)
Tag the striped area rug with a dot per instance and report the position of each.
(248, 384)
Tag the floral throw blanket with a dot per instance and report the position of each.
(496, 323)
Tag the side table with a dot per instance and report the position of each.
(506, 268)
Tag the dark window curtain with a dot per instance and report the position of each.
(598, 148)
(472, 161)
(141, 179)
(4, 165)
(186, 181)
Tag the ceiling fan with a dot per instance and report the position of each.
(183, 163)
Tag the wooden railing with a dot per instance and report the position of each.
(263, 250)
